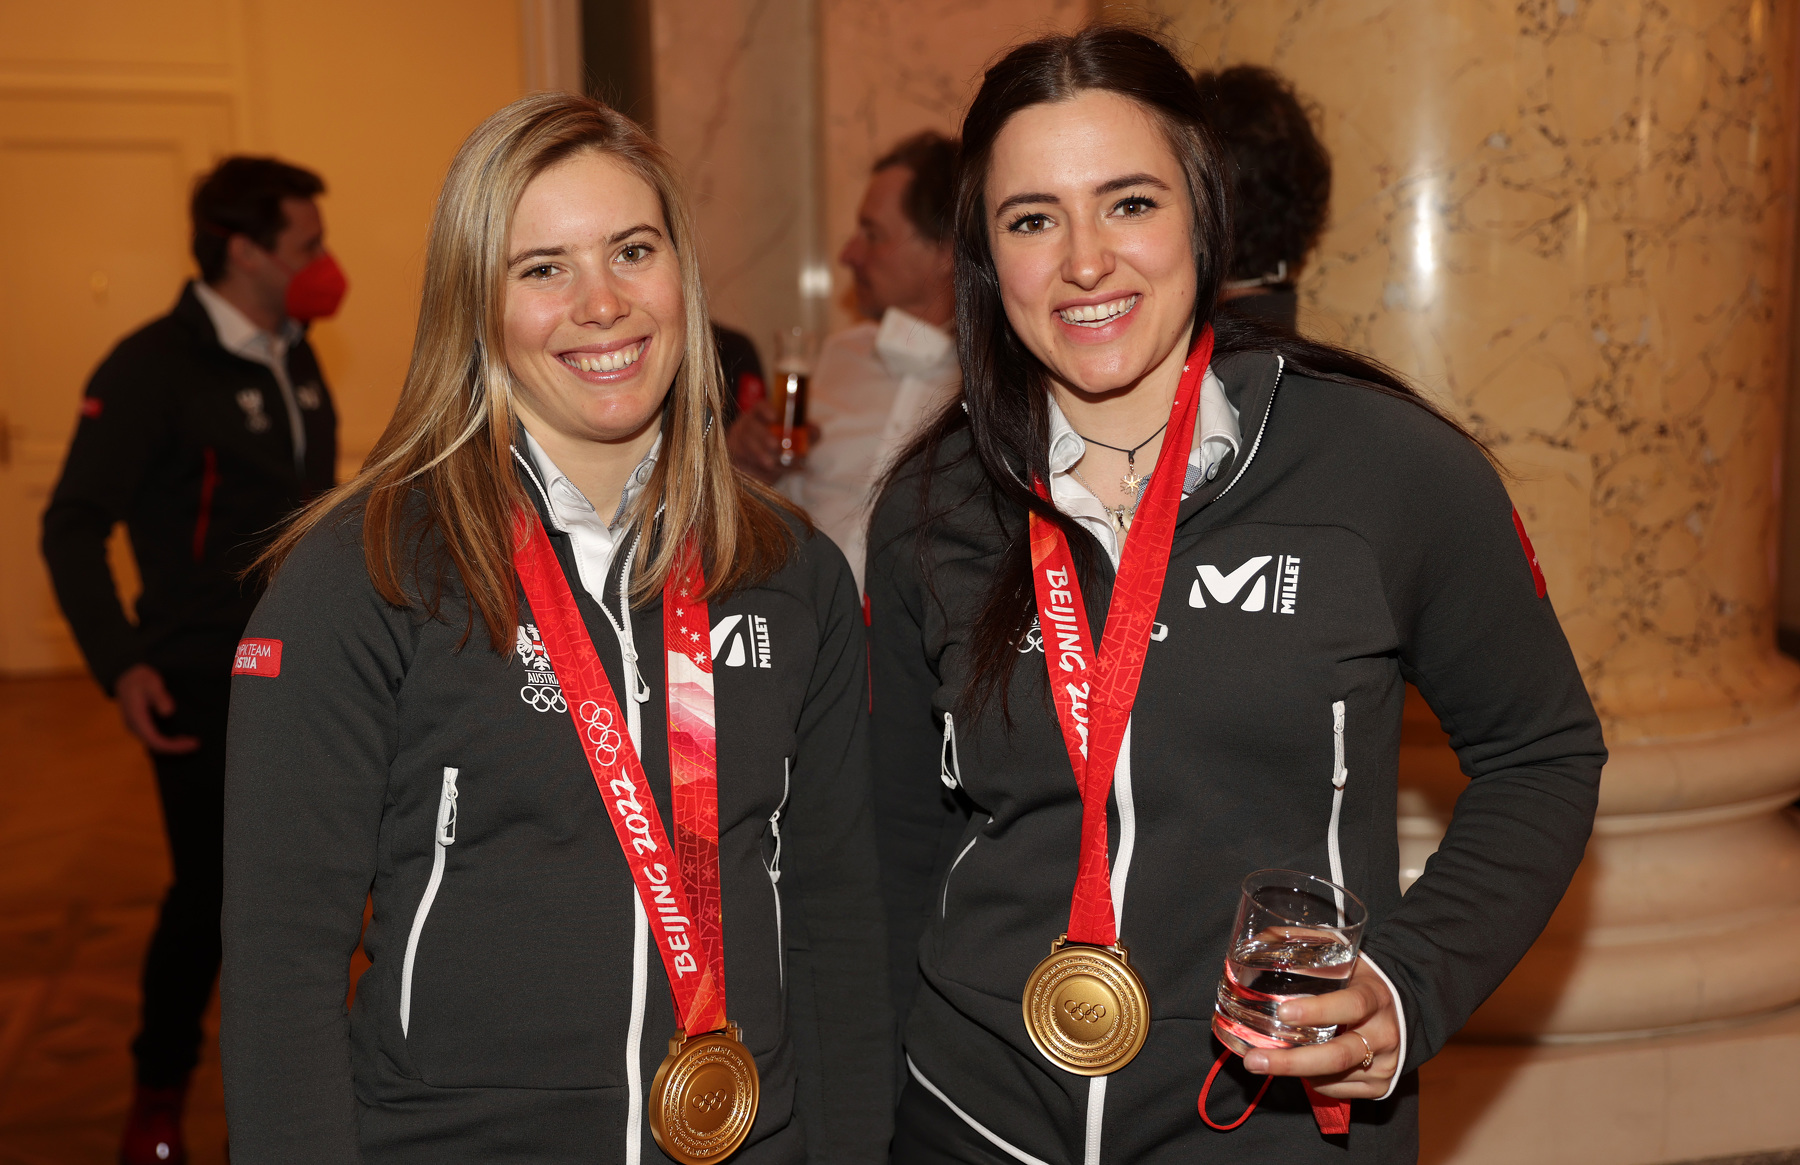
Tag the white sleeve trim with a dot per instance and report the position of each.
(1400, 1016)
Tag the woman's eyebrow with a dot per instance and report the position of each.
(537, 253)
(1026, 199)
(1130, 180)
(640, 228)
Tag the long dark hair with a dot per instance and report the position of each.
(1005, 387)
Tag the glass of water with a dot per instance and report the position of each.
(1295, 935)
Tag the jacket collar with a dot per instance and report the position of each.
(1250, 380)
(193, 314)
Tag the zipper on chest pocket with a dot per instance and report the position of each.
(444, 836)
(944, 897)
(1340, 776)
(949, 764)
(774, 866)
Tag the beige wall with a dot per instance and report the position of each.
(110, 108)
(376, 98)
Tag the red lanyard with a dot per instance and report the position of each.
(1094, 692)
(678, 886)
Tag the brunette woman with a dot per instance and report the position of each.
(624, 902)
(1183, 572)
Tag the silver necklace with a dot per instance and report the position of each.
(1121, 515)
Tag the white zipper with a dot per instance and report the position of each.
(1339, 777)
(1280, 367)
(949, 764)
(640, 937)
(445, 837)
(774, 866)
(1012, 1151)
(944, 898)
(1121, 872)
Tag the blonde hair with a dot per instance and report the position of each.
(450, 438)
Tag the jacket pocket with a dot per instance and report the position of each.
(444, 837)
(1340, 776)
(944, 895)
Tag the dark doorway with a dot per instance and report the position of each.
(616, 55)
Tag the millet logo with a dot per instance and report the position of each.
(1274, 590)
(748, 636)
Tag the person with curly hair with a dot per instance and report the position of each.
(1280, 187)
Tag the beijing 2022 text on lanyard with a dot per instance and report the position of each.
(1085, 1008)
(704, 1097)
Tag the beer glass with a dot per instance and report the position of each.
(1295, 935)
(796, 350)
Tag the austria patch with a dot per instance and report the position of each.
(258, 657)
(1537, 573)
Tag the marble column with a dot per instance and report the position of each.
(737, 104)
(1569, 221)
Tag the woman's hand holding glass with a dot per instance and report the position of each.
(1363, 1010)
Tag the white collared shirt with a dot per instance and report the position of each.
(873, 389)
(595, 539)
(1216, 436)
(240, 337)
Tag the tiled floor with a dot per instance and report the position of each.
(82, 868)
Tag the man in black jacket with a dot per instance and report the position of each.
(201, 432)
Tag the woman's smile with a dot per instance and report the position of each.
(1098, 323)
(608, 363)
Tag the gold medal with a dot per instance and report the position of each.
(1086, 1009)
(703, 1100)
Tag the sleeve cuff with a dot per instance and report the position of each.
(1400, 1017)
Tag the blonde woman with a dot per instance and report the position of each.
(624, 903)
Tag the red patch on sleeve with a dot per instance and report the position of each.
(1537, 573)
(258, 657)
(90, 406)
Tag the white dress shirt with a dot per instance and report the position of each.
(595, 538)
(872, 391)
(240, 337)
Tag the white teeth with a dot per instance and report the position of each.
(1098, 314)
(607, 361)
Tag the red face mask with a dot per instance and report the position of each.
(316, 289)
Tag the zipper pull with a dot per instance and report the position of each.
(446, 818)
(640, 691)
(787, 774)
(949, 764)
(1339, 774)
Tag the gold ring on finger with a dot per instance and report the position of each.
(1368, 1050)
